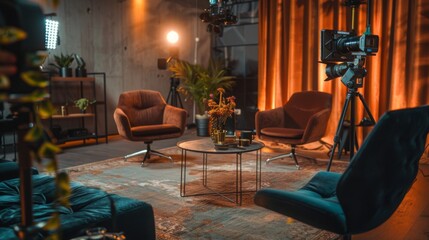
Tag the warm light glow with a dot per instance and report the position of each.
(173, 37)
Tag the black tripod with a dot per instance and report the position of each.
(173, 96)
(352, 93)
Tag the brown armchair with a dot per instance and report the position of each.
(303, 119)
(143, 115)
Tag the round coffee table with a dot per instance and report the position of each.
(206, 147)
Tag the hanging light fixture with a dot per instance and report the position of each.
(217, 15)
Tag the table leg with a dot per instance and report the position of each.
(205, 163)
(183, 174)
(241, 181)
(258, 169)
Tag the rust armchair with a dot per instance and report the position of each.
(303, 119)
(143, 115)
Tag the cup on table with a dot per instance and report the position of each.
(243, 142)
(247, 135)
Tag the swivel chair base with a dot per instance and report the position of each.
(292, 155)
(147, 153)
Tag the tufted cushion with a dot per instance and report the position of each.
(384, 168)
(88, 208)
(142, 109)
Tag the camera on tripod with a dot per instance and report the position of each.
(343, 46)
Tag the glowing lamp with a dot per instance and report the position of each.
(172, 37)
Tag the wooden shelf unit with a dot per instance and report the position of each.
(93, 114)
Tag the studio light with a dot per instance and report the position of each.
(172, 37)
(217, 15)
(51, 35)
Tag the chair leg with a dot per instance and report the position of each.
(147, 154)
(135, 154)
(291, 154)
(161, 155)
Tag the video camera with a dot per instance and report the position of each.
(340, 46)
(347, 47)
(28, 17)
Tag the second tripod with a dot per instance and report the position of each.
(352, 93)
(173, 97)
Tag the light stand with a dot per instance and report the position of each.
(173, 97)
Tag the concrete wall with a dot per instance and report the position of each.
(124, 39)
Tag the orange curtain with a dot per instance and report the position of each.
(289, 54)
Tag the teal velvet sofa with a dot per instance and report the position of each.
(89, 208)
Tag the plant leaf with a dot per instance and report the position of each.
(4, 82)
(35, 96)
(35, 79)
(34, 135)
(45, 109)
(9, 35)
(63, 188)
(48, 150)
(53, 222)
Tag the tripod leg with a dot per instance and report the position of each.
(365, 105)
(173, 97)
(168, 97)
(180, 100)
(352, 128)
(338, 132)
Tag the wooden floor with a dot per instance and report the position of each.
(410, 221)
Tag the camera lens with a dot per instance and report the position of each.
(335, 70)
(348, 44)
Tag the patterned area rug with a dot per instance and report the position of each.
(208, 217)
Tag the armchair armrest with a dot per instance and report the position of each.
(122, 123)
(176, 116)
(269, 118)
(316, 126)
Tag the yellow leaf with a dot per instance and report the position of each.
(48, 150)
(36, 96)
(45, 109)
(9, 35)
(34, 79)
(51, 166)
(4, 82)
(53, 223)
(34, 134)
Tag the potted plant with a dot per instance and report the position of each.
(198, 83)
(80, 70)
(63, 63)
(83, 103)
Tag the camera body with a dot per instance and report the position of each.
(28, 17)
(338, 46)
(346, 47)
